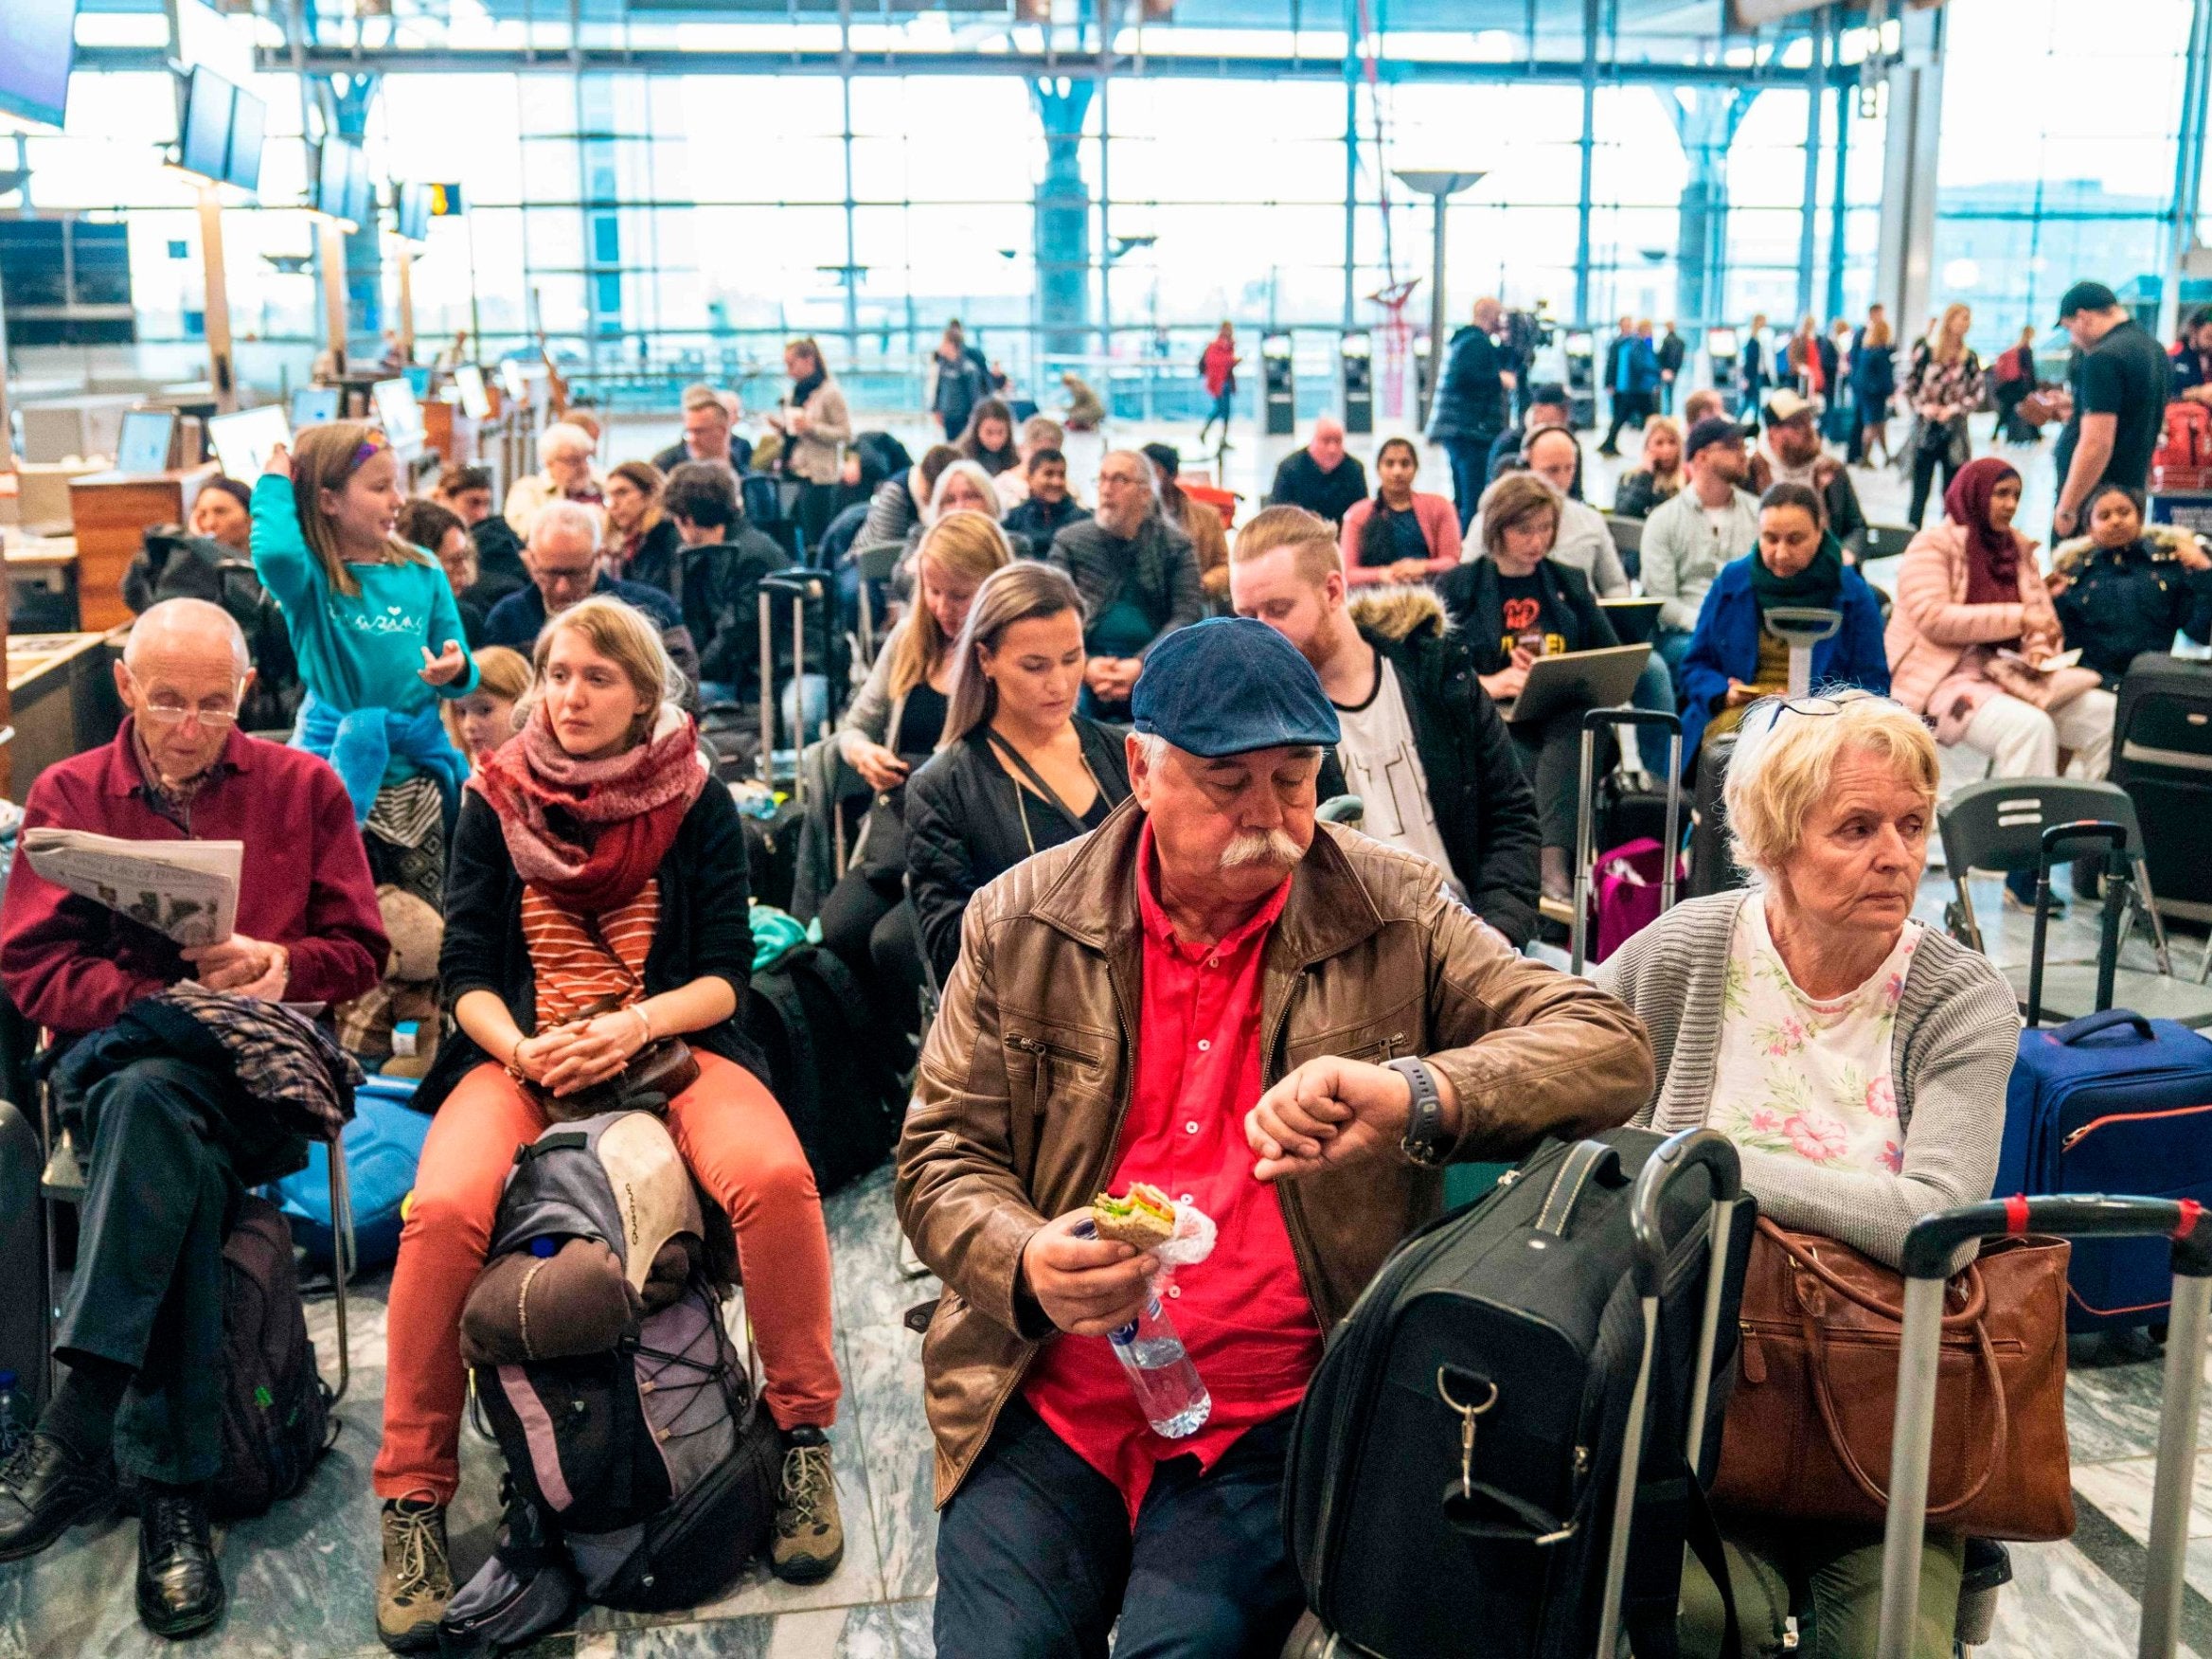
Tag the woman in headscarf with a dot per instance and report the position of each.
(1973, 637)
(1732, 661)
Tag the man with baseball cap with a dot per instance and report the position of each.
(1793, 454)
(2117, 389)
(1284, 1025)
(1689, 538)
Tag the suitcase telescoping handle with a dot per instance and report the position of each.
(1593, 721)
(2056, 840)
(800, 587)
(1675, 1157)
(1929, 1247)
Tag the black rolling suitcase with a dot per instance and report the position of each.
(2162, 756)
(1458, 1484)
(1712, 867)
(26, 1315)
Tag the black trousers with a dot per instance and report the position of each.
(867, 922)
(1036, 1558)
(1628, 409)
(1550, 752)
(1925, 462)
(148, 1290)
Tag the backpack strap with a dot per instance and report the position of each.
(776, 988)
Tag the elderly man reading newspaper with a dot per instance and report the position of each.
(173, 1138)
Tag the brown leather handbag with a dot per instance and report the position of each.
(1807, 1431)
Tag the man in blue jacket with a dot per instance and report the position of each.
(1732, 661)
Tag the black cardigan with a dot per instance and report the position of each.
(1470, 593)
(964, 827)
(705, 927)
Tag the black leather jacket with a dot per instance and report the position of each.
(966, 825)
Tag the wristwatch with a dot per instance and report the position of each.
(1425, 1141)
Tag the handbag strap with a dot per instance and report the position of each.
(1970, 1313)
(2000, 1420)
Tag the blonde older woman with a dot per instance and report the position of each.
(1857, 1057)
(564, 474)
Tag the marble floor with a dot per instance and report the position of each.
(302, 1578)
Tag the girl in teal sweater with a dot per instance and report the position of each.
(378, 636)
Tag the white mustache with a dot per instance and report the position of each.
(1260, 847)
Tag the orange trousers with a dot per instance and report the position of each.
(739, 1145)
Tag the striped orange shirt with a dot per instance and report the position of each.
(582, 961)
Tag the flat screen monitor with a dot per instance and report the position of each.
(314, 405)
(417, 379)
(514, 380)
(203, 139)
(1275, 345)
(411, 211)
(242, 442)
(475, 399)
(397, 411)
(1580, 346)
(144, 445)
(1359, 346)
(38, 44)
(342, 181)
(249, 123)
(1721, 343)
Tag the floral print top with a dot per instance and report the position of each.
(1804, 1076)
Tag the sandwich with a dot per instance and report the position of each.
(1145, 1217)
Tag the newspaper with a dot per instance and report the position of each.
(186, 889)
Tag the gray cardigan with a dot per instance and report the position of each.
(1957, 1029)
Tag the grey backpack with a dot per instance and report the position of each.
(641, 1465)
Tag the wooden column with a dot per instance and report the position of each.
(333, 263)
(222, 369)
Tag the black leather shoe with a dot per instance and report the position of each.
(46, 1488)
(180, 1587)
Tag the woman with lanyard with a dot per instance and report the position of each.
(1017, 769)
(1734, 660)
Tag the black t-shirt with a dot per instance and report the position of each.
(2125, 374)
(1526, 608)
(921, 721)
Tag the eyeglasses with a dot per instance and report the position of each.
(1775, 707)
(172, 710)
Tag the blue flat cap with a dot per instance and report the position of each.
(1228, 686)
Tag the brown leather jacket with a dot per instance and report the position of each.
(1026, 1079)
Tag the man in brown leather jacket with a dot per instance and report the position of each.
(1254, 949)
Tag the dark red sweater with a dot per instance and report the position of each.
(76, 966)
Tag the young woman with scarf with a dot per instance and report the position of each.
(1971, 638)
(597, 861)
(1732, 661)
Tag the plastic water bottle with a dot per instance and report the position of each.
(1167, 1386)
(12, 1427)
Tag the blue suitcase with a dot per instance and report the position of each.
(383, 1145)
(2111, 1102)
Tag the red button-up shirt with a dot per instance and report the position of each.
(1242, 1312)
(75, 965)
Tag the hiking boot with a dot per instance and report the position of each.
(416, 1581)
(180, 1587)
(46, 1488)
(810, 1536)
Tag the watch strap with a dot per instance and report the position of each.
(1425, 1141)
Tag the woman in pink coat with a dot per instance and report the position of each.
(1972, 633)
(1400, 534)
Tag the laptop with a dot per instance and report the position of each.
(1577, 679)
(1632, 619)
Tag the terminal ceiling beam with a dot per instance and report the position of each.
(1037, 65)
